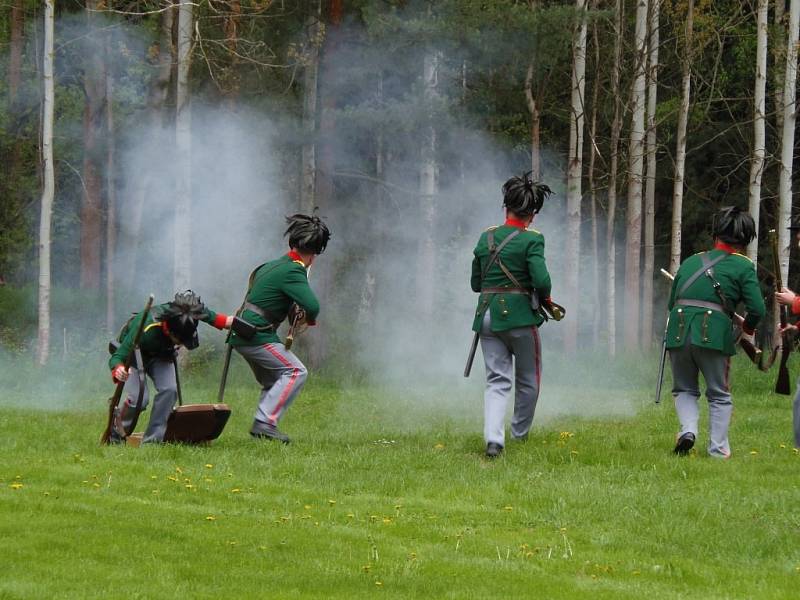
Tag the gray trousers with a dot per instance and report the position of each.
(687, 362)
(281, 375)
(162, 372)
(513, 355)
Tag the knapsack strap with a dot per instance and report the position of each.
(494, 251)
(707, 264)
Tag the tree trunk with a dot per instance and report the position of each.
(157, 95)
(778, 50)
(310, 77)
(93, 117)
(575, 172)
(650, 180)
(633, 228)
(111, 197)
(616, 129)
(183, 142)
(787, 139)
(680, 149)
(16, 45)
(230, 27)
(428, 190)
(593, 153)
(759, 123)
(43, 336)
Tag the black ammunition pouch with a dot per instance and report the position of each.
(243, 329)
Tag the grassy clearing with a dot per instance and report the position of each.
(386, 492)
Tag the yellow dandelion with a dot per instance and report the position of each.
(211, 518)
(387, 520)
(398, 506)
(172, 478)
(153, 477)
(350, 515)
(439, 446)
(366, 568)
(753, 452)
(96, 485)
(379, 583)
(178, 470)
(508, 508)
(573, 452)
(331, 502)
(155, 491)
(783, 446)
(235, 491)
(208, 480)
(16, 486)
(307, 506)
(47, 493)
(209, 466)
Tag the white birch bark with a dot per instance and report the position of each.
(310, 80)
(779, 58)
(680, 149)
(428, 189)
(787, 139)
(594, 152)
(759, 122)
(575, 171)
(616, 128)
(48, 191)
(650, 176)
(633, 228)
(183, 142)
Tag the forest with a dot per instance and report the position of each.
(155, 146)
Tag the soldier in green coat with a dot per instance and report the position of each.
(700, 332)
(509, 272)
(279, 289)
(166, 327)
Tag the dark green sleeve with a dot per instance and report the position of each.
(475, 281)
(126, 346)
(295, 285)
(753, 302)
(540, 277)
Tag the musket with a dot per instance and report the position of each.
(753, 353)
(782, 384)
(471, 357)
(113, 402)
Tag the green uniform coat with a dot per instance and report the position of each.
(154, 342)
(524, 258)
(711, 328)
(276, 285)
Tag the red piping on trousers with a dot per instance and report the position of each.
(282, 400)
(537, 348)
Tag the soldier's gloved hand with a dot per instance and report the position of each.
(228, 322)
(789, 329)
(120, 373)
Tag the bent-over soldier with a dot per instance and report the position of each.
(509, 271)
(700, 333)
(278, 289)
(166, 327)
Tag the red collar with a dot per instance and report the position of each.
(295, 256)
(725, 248)
(515, 223)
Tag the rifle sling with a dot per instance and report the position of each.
(707, 264)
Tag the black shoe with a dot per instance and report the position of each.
(266, 430)
(493, 450)
(684, 444)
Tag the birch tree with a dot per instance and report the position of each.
(533, 102)
(183, 142)
(46, 213)
(680, 149)
(428, 187)
(650, 178)
(779, 57)
(787, 139)
(111, 195)
(759, 122)
(594, 152)
(575, 169)
(616, 128)
(633, 229)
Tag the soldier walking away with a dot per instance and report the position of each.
(166, 328)
(279, 289)
(509, 272)
(792, 300)
(700, 333)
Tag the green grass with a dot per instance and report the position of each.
(385, 491)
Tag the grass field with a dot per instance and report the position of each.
(385, 492)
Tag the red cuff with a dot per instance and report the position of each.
(219, 321)
(796, 306)
(311, 323)
(747, 329)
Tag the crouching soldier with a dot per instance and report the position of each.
(166, 327)
(507, 269)
(700, 334)
(279, 289)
